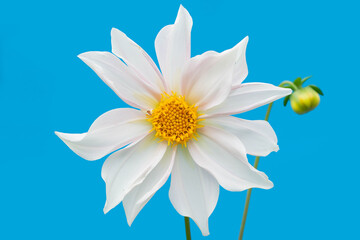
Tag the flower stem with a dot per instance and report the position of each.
(187, 228)
(248, 194)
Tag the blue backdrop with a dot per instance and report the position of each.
(48, 192)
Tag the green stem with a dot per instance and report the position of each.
(187, 228)
(268, 113)
(291, 84)
(248, 195)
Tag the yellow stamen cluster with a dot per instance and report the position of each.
(174, 120)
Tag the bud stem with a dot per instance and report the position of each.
(187, 228)
(248, 194)
(291, 84)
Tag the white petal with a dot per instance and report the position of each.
(128, 167)
(240, 68)
(123, 80)
(224, 156)
(247, 97)
(134, 55)
(258, 136)
(111, 131)
(193, 191)
(137, 198)
(172, 45)
(207, 78)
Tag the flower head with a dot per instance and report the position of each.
(180, 123)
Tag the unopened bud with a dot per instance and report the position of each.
(303, 99)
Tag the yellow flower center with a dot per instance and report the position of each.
(174, 120)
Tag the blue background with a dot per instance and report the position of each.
(48, 192)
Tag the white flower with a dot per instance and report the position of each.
(183, 127)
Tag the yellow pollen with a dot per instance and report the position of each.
(174, 120)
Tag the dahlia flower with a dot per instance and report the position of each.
(179, 123)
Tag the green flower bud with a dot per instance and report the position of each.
(303, 99)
